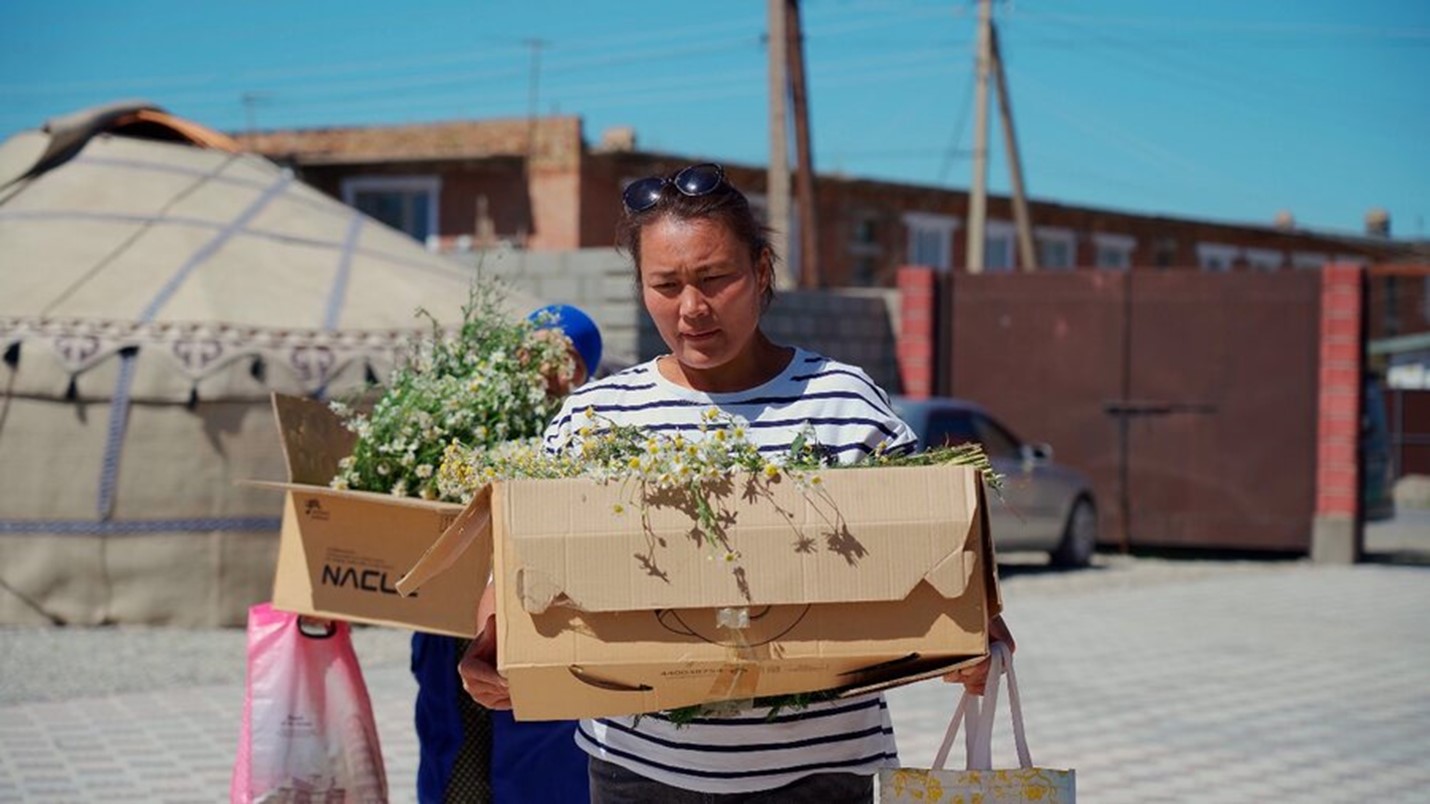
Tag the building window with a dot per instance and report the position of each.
(406, 203)
(864, 235)
(1217, 257)
(1308, 260)
(1057, 248)
(1113, 251)
(1165, 255)
(998, 248)
(1265, 259)
(930, 239)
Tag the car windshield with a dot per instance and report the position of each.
(940, 426)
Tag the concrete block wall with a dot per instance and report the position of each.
(599, 281)
(855, 326)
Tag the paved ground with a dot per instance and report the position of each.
(1188, 680)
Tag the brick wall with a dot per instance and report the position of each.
(1398, 300)
(863, 236)
(918, 329)
(1338, 428)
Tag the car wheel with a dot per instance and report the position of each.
(1079, 536)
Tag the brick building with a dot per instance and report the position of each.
(471, 184)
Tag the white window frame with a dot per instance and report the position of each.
(431, 185)
(1265, 259)
(1309, 260)
(1006, 232)
(940, 227)
(1217, 258)
(1118, 244)
(1055, 235)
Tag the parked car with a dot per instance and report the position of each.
(1044, 506)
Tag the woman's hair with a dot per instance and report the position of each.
(725, 205)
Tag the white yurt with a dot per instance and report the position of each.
(156, 285)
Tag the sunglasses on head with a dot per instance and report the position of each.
(694, 181)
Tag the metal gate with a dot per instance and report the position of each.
(1189, 398)
(1408, 419)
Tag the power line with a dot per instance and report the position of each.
(513, 45)
(1220, 26)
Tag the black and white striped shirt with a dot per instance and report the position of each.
(748, 752)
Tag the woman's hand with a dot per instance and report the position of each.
(975, 677)
(478, 666)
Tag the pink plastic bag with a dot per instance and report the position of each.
(308, 732)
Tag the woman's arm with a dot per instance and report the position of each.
(975, 677)
(478, 667)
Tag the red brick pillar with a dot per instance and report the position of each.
(918, 330)
(1336, 536)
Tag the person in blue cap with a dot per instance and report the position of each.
(470, 754)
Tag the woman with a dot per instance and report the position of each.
(706, 274)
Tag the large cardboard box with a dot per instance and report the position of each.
(341, 553)
(873, 578)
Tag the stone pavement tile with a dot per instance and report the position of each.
(1237, 684)
(1226, 671)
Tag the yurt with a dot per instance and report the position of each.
(156, 285)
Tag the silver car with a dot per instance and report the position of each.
(1044, 506)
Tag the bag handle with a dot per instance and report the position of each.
(978, 740)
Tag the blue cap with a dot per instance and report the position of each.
(576, 326)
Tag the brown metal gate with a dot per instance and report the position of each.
(1189, 398)
(1408, 417)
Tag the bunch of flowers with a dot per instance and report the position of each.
(481, 385)
(657, 465)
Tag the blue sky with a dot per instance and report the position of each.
(1221, 109)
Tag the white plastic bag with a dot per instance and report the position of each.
(308, 733)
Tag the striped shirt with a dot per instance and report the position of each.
(748, 752)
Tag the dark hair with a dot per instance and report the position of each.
(725, 205)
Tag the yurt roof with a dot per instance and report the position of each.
(127, 231)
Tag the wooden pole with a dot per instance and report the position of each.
(809, 265)
(1026, 249)
(777, 182)
(978, 191)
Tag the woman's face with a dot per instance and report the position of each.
(703, 292)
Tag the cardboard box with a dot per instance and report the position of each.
(341, 553)
(877, 577)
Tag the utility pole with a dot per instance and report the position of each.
(532, 84)
(1015, 164)
(808, 207)
(777, 183)
(978, 192)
